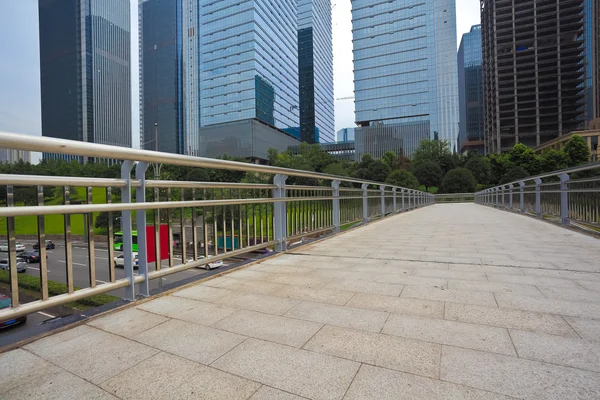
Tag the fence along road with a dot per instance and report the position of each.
(243, 217)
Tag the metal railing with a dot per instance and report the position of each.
(217, 220)
(570, 196)
(455, 198)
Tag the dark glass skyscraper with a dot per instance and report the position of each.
(85, 70)
(161, 91)
(315, 71)
(470, 92)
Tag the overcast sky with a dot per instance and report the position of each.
(20, 78)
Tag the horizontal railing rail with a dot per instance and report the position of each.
(174, 225)
(570, 196)
(455, 198)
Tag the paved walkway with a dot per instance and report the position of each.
(446, 302)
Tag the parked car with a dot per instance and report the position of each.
(6, 303)
(21, 264)
(31, 256)
(211, 265)
(18, 247)
(49, 245)
(120, 261)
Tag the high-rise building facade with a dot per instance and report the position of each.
(470, 92)
(405, 71)
(595, 6)
(538, 58)
(315, 71)
(85, 70)
(345, 135)
(248, 55)
(161, 75)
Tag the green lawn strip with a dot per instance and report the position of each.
(31, 285)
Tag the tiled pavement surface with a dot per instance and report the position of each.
(446, 302)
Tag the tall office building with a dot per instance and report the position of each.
(85, 71)
(345, 135)
(595, 7)
(248, 55)
(538, 70)
(315, 67)
(470, 92)
(405, 72)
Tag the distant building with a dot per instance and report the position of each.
(315, 71)
(345, 135)
(591, 136)
(470, 92)
(85, 71)
(540, 70)
(9, 156)
(405, 72)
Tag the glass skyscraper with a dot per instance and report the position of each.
(405, 70)
(85, 70)
(248, 55)
(470, 92)
(315, 62)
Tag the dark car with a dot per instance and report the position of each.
(30, 257)
(49, 245)
(5, 303)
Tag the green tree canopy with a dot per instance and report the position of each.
(578, 151)
(404, 178)
(429, 174)
(432, 151)
(514, 173)
(402, 162)
(553, 160)
(481, 168)
(459, 180)
(389, 157)
(372, 170)
(523, 156)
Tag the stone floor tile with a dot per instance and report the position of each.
(373, 383)
(472, 336)
(185, 380)
(128, 322)
(245, 274)
(311, 281)
(244, 285)
(410, 280)
(550, 306)
(397, 305)
(94, 355)
(388, 289)
(382, 269)
(194, 342)
(21, 367)
(494, 287)
(470, 276)
(570, 352)
(313, 375)
(556, 273)
(494, 269)
(590, 285)
(507, 318)
(523, 379)
(286, 269)
(454, 296)
(343, 274)
(202, 293)
(588, 329)
(580, 295)
(199, 312)
(331, 296)
(405, 355)
(268, 393)
(533, 280)
(347, 317)
(259, 302)
(273, 328)
(169, 306)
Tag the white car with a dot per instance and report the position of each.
(211, 265)
(18, 246)
(120, 261)
(21, 265)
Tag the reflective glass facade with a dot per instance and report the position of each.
(248, 54)
(345, 135)
(85, 70)
(470, 91)
(315, 71)
(161, 83)
(405, 67)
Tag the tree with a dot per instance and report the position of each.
(402, 162)
(428, 174)
(553, 160)
(459, 180)
(372, 170)
(432, 151)
(481, 169)
(272, 154)
(102, 221)
(500, 164)
(389, 157)
(403, 178)
(315, 155)
(513, 174)
(523, 156)
(577, 150)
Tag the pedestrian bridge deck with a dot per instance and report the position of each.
(446, 302)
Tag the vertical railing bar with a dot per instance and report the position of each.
(232, 213)
(90, 241)
(111, 240)
(170, 229)
(156, 217)
(182, 237)
(194, 228)
(142, 237)
(42, 249)
(68, 245)
(12, 255)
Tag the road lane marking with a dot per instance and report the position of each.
(98, 280)
(37, 269)
(64, 262)
(46, 315)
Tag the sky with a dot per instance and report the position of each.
(20, 109)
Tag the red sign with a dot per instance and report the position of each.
(164, 242)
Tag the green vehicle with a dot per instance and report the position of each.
(118, 241)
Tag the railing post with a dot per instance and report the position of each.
(126, 168)
(503, 206)
(402, 191)
(336, 206)
(365, 193)
(522, 197)
(140, 197)
(510, 197)
(395, 200)
(538, 197)
(564, 199)
(497, 197)
(408, 197)
(382, 189)
(280, 213)
(415, 199)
